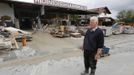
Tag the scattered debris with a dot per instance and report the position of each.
(71, 29)
(5, 44)
(66, 31)
(19, 53)
(5, 34)
(128, 30)
(77, 35)
(19, 33)
(105, 51)
(82, 30)
(106, 30)
(25, 52)
(116, 29)
(60, 31)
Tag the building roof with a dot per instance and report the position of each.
(104, 18)
(101, 10)
(64, 8)
(67, 10)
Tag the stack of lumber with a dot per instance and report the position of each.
(8, 43)
(77, 35)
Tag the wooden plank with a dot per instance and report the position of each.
(14, 42)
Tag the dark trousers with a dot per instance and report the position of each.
(89, 60)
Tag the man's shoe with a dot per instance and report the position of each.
(85, 73)
(92, 72)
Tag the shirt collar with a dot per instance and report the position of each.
(94, 29)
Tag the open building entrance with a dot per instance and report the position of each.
(26, 13)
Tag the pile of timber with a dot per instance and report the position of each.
(76, 35)
(65, 31)
(60, 32)
(8, 43)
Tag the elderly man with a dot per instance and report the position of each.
(92, 46)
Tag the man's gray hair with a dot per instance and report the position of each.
(94, 18)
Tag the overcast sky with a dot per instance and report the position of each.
(114, 5)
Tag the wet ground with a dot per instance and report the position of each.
(53, 53)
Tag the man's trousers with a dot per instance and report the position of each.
(89, 60)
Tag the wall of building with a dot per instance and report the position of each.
(5, 9)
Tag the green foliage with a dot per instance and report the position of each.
(126, 16)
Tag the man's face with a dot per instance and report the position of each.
(93, 24)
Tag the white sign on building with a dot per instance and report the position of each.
(60, 4)
(55, 3)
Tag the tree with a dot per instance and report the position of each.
(126, 16)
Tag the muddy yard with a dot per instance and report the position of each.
(62, 56)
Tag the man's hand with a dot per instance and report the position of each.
(98, 54)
